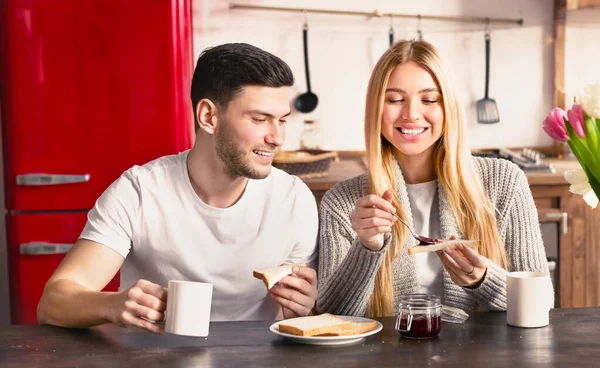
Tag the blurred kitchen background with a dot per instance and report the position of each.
(128, 63)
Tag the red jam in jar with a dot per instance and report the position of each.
(419, 316)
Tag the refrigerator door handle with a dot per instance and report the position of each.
(51, 179)
(43, 248)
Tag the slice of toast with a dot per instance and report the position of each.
(271, 276)
(361, 327)
(316, 325)
(474, 244)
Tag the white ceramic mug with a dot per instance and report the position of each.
(188, 308)
(529, 298)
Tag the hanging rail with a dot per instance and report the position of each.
(378, 14)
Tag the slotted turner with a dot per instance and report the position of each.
(487, 110)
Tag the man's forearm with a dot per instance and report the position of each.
(66, 303)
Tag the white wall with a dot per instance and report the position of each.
(344, 49)
(582, 51)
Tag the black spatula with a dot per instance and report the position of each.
(487, 111)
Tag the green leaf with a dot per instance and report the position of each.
(586, 158)
(572, 135)
(592, 134)
(595, 184)
(580, 145)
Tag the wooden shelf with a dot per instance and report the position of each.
(561, 7)
(560, 17)
(582, 4)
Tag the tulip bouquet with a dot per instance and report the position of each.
(580, 128)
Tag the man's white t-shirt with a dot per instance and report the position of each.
(152, 216)
(426, 221)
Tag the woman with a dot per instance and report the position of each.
(420, 167)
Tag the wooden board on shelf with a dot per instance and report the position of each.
(582, 4)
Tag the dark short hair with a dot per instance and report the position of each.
(223, 71)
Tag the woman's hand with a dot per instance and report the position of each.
(371, 219)
(465, 266)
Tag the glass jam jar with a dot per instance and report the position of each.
(419, 316)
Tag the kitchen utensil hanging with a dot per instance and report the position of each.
(487, 110)
(391, 33)
(419, 33)
(307, 101)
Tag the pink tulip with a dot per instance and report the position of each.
(575, 117)
(554, 125)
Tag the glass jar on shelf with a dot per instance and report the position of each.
(310, 139)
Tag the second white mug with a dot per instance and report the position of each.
(529, 298)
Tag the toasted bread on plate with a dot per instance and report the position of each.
(323, 324)
(361, 327)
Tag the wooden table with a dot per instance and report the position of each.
(571, 340)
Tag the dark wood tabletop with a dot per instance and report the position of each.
(571, 340)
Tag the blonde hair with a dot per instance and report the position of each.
(452, 163)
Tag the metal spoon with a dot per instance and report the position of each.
(423, 240)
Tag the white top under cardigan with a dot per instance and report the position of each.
(426, 221)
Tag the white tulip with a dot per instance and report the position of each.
(580, 185)
(589, 98)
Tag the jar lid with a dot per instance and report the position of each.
(419, 301)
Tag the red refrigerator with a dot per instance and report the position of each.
(88, 89)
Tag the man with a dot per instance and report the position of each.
(211, 214)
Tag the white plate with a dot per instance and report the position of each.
(329, 340)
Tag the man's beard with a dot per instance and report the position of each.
(234, 158)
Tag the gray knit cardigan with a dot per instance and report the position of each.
(347, 269)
